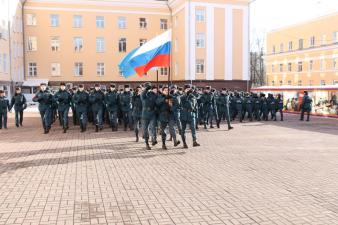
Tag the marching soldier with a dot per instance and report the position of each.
(272, 106)
(4, 108)
(126, 107)
(96, 99)
(209, 105)
(257, 107)
(223, 103)
(45, 99)
(148, 98)
(64, 101)
(112, 105)
(188, 115)
(280, 106)
(20, 104)
(81, 98)
(249, 105)
(265, 108)
(74, 115)
(239, 107)
(306, 106)
(175, 116)
(137, 111)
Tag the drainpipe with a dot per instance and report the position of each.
(171, 49)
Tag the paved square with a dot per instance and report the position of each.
(259, 173)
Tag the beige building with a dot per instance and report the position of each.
(82, 41)
(11, 45)
(304, 54)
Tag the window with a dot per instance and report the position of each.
(4, 63)
(142, 41)
(301, 44)
(323, 40)
(100, 22)
(32, 43)
(280, 83)
(55, 44)
(322, 64)
(312, 41)
(31, 19)
(290, 67)
(122, 45)
(143, 23)
(164, 71)
(289, 82)
(164, 24)
(55, 69)
(77, 21)
(200, 40)
(300, 66)
(100, 69)
(280, 67)
(335, 64)
(78, 69)
(299, 83)
(322, 82)
(122, 22)
(100, 44)
(200, 66)
(32, 69)
(273, 68)
(273, 83)
(78, 44)
(54, 20)
(310, 65)
(335, 37)
(273, 49)
(281, 48)
(290, 45)
(200, 15)
(335, 82)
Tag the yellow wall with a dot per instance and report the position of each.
(326, 51)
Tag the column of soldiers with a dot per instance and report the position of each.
(148, 110)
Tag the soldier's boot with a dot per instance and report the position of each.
(112, 128)
(230, 128)
(154, 142)
(211, 126)
(164, 147)
(205, 126)
(184, 143)
(176, 143)
(282, 119)
(195, 144)
(45, 131)
(170, 138)
(147, 145)
(125, 128)
(96, 128)
(17, 125)
(197, 127)
(136, 133)
(65, 130)
(218, 124)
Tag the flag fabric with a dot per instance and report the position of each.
(154, 53)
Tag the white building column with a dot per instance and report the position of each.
(228, 42)
(210, 69)
(246, 53)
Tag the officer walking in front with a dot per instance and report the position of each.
(4, 108)
(45, 100)
(20, 104)
(137, 111)
(188, 115)
(96, 99)
(306, 106)
(81, 98)
(64, 101)
(126, 107)
(112, 104)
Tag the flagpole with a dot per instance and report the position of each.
(157, 78)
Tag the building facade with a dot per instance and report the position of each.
(11, 45)
(304, 54)
(82, 41)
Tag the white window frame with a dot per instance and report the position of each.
(142, 41)
(143, 23)
(281, 48)
(55, 69)
(54, 20)
(300, 66)
(100, 69)
(311, 65)
(122, 45)
(301, 44)
(200, 15)
(281, 67)
(163, 24)
(77, 21)
(335, 37)
(200, 40)
(164, 71)
(122, 22)
(32, 69)
(78, 44)
(200, 66)
(78, 69)
(55, 44)
(312, 41)
(290, 45)
(100, 45)
(289, 67)
(32, 44)
(99, 21)
(31, 19)
(322, 82)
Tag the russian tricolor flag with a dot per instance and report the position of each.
(154, 53)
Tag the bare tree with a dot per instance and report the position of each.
(257, 65)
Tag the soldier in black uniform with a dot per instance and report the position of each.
(74, 116)
(137, 110)
(20, 104)
(265, 108)
(45, 99)
(248, 101)
(64, 101)
(223, 102)
(96, 99)
(257, 107)
(280, 106)
(81, 100)
(112, 105)
(306, 106)
(272, 106)
(4, 108)
(126, 107)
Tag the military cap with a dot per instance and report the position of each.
(126, 86)
(2, 91)
(17, 88)
(97, 85)
(43, 84)
(187, 86)
(173, 86)
(81, 86)
(207, 88)
(180, 88)
(112, 85)
(305, 92)
(62, 84)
